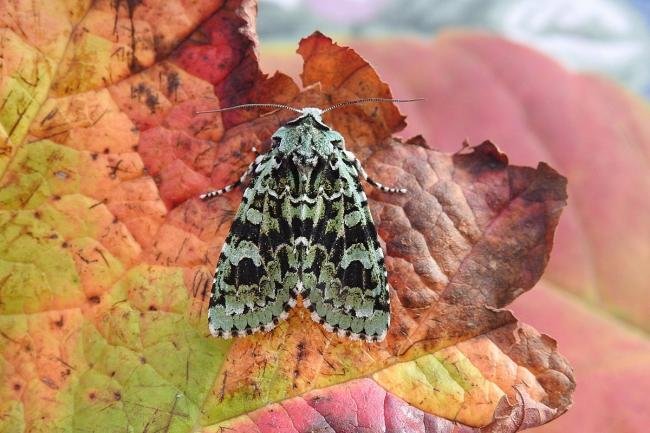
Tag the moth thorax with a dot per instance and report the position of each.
(313, 111)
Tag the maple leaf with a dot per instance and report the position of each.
(106, 254)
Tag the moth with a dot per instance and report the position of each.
(303, 228)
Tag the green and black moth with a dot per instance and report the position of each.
(303, 229)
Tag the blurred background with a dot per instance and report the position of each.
(611, 37)
(563, 82)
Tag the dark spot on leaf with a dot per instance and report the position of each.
(59, 323)
(92, 395)
(173, 82)
(94, 299)
(316, 400)
(143, 360)
(65, 244)
(117, 395)
(138, 90)
(135, 65)
(17, 386)
(300, 355)
(152, 308)
(152, 102)
(158, 46)
(94, 156)
(107, 150)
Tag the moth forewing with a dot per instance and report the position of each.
(303, 229)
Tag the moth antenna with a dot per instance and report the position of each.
(244, 106)
(361, 101)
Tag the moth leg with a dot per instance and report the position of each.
(228, 188)
(353, 159)
(384, 188)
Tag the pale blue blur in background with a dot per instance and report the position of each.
(611, 37)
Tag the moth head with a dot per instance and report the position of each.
(313, 113)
